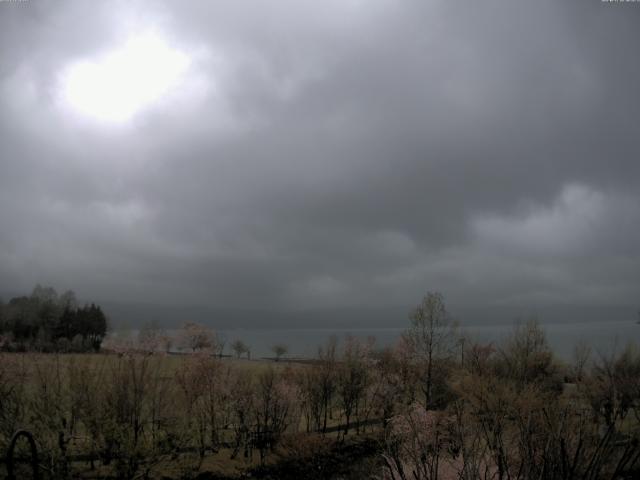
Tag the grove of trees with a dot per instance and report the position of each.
(47, 322)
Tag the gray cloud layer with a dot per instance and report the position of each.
(336, 153)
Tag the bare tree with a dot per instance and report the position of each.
(204, 381)
(221, 342)
(327, 377)
(581, 356)
(242, 400)
(150, 337)
(276, 400)
(431, 337)
(311, 400)
(240, 348)
(279, 350)
(197, 337)
(353, 377)
(527, 357)
(415, 443)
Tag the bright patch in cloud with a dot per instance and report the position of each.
(563, 227)
(125, 81)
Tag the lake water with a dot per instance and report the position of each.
(602, 337)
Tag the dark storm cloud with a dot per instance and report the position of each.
(330, 154)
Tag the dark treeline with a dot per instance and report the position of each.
(47, 322)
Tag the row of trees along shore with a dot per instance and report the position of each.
(439, 405)
(47, 322)
(190, 338)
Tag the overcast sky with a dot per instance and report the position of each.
(303, 154)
